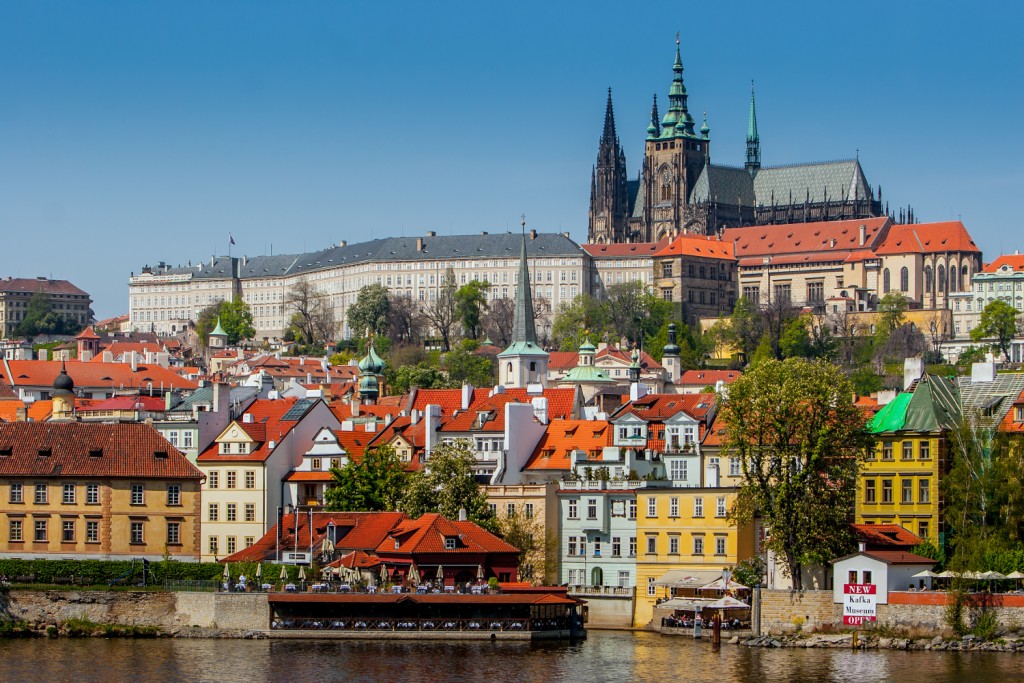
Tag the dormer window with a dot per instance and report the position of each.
(45, 452)
(397, 544)
(449, 543)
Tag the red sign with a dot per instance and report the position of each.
(859, 603)
(860, 589)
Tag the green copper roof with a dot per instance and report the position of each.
(523, 348)
(587, 374)
(218, 330)
(752, 121)
(524, 332)
(654, 128)
(677, 122)
(371, 363)
(704, 130)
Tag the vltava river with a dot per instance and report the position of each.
(605, 656)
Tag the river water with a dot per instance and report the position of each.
(605, 656)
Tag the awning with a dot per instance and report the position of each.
(687, 578)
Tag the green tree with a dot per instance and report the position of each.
(463, 364)
(312, 315)
(423, 375)
(582, 317)
(446, 484)
(374, 484)
(796, 340)
(893, 308)
(763, 352)
(235, 318)
(370, 311)
(745, 326)
(799, 440)
(39, 308)
(442, 312)
(999, 323)
(634, 312)
(693, 350)
(538, 547)
(470, 304)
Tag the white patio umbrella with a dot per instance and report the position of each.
(1015, 575)
(993, 576)
(414, 575)
(259, 570)
(227, 571)
(480, 572)
(440, 572)
(728, 602)
(284, 573)
(383, 573)
(720, 585)
(926, 574)
(302, 573)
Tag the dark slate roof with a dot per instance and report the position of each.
(840, 180)
(204, 396)
(724, 184)
(989, 402)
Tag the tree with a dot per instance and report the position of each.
(538, 547)
(999, 323)
(795, 340)
(423, 375)
(441, 312)
(634, 312)
(581, 317)
(312, 313)
(404, 321)
(369, 313)
(499, 321)
(464, 364)
(799, 440)
(892, 307)
(374, 484)
(471, 302)
(235, 319)
(693, 349)
(745, 326)
(447, 485)
(40, 318)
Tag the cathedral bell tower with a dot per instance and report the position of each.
(674, 156)
(609, 194)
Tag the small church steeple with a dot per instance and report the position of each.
(524, 361)
(753, 141)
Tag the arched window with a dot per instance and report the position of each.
(965, 277)
(928, 279)
(940, 276)
(508, 368)
(904, 279)
(885, 281)
(666, 185)
(953, 270)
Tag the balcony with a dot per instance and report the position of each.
(609, 485)
(624, 591)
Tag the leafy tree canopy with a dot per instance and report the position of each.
(235, 317)
(999, 323)
(374, 484)
(370, 311)
(447, 485)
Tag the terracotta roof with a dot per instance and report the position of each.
(885, 536)
(699, 245)
(267, 425)
(32, 285)
(306, 475)
(155, 404)
(89, 449)
(662, 406)
(355, 531)
(87, 333)
(622, 250)
(7, 391)
(356, 440)
(97, 375)
(119, 349)
(564, 436)
(899, 557)
(773, 240)
(428, 533)
(927, 238)
(561, 400)
(1010, 424)
(449, 399)
(343, 410)
(1014, 261)
(357, 559)
(493, 410)
(708, 377)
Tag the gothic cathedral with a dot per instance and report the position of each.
(679, 189)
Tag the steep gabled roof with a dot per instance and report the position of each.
(928, 238)
(807, 238)
(562, 437)
(1015, 262)
(624, 250)
(36, 373)
(699, 246)
(660, 407)
(272, 420)
(428, 533)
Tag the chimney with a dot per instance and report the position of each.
(913, 369)
(272, 445)
(247, 418)
(221, 396)
(863, 234)
(133, 361)
(861, 546)
(108, 357)
(983, 372)
(533, 234)
(347, 426)
(463, 515)
(370, 426)
(431, 421)
(387, 419)
(431, 233)
(354, 403)
(467, 395)
(343, 243)
(414, 417)
(540, 409)
(419, 244)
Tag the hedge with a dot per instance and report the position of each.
(105, 572)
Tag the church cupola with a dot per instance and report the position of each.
(370, 367)
(63, 396)
(218, 338)
(677, 121)
(670, 355)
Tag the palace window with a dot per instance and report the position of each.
(887, 490)
(907, 491)
(16, 531)
(869, 490)
(173, 494)
(92, 532)
(924, 488)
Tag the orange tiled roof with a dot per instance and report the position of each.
(1014, 261)
(885, 536)
(709, 377)
(450, 400)
(772, 240)
(699, 245)
(356, 531)
(927, 238)
(1009, 424)
(266, 426)
(100, 375)
(87, 333)
(306, 475)
(428, 533)
(90, 449)
(562, 437)
(469, 420)
(154, 404)
(622, 250)
(343, 409)
(119, 349)
(662, 406)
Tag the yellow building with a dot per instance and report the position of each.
(96, 491)
(684, 529)
(899, 482)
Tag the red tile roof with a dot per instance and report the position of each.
(153, 404)
(266, 426)
(449, 399)
(119, 349)
(567, 360)
(699, 245)
(355, 531)
(708, 377)
(623, 250)
(774, 240)
(94, 375)
(32, 285)
(885, 536)
(428, 533)
(87, 333)
(899, 557)
(659, 407)
(343, 410)
(1010, 425)
(564, 436)
(357, 559)
(90, 449)
(1014, 261)
(306, 475)
(927, 238)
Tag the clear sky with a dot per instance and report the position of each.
(134, 132)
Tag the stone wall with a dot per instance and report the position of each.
(229, 611)
(783, 610)
(609, 611)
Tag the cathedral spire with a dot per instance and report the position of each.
(609, 122)
(654, 129)
(677, 121)
(753, 141)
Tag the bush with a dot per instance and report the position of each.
(986, 626)
(106, 572)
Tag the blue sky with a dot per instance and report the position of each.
(133, 132)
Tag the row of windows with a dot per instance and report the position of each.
(231, 479)
(924, 490)
(924, 450)
(721, 506)
(69, 494)
(698, 545)
(69, 531)
(230, 512)
(230, 544)
(577, 546)
(578, 577)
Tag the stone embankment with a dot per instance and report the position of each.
(875, 642)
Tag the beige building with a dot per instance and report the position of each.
(700, 274)
(614, 264)
(65, 300)
(537, 503)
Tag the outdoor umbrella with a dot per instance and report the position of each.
(728, 602)
(414, 575)
(302, 573)
(383, 573)
(440, 573)
(1015, 575)
(227, 571)
(720, 585)
(993, 576)
(259, 570)
(480, 572)
(926, 574)
(284, 573)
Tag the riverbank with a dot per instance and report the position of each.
(868, 641)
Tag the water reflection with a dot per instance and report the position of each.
(606, 656)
